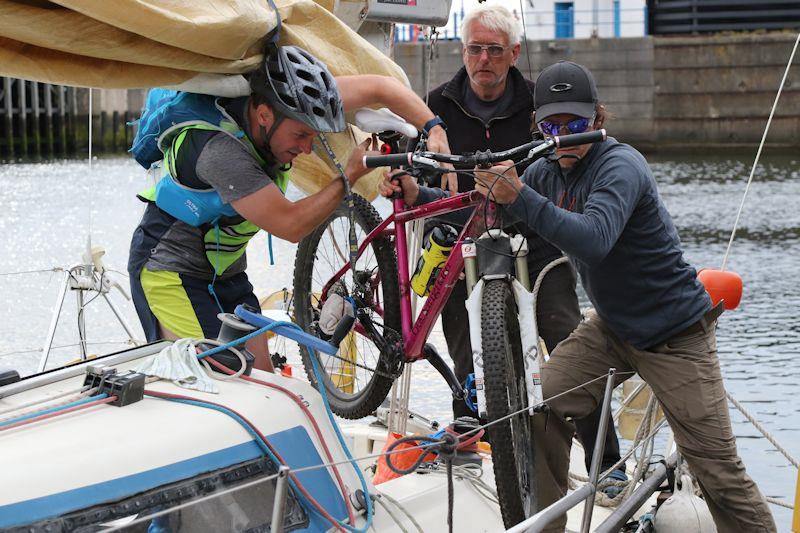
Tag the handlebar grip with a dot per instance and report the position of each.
(580, 138)
(391, 160)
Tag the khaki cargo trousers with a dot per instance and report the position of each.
(685, 376)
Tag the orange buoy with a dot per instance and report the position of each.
(722, 285)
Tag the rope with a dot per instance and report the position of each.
(72, 397)
(401, 507)
(776, 501)
(640, 440)
(50, 270)
(34, 350)
(391, 514)
(450, 495)
(76, 406)
(762, 429)
(758, 154)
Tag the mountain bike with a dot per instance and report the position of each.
(384, 334)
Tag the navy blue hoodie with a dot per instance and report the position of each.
(616, 231)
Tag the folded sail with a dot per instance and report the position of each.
(197, 46)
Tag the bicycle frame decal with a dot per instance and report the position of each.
(473, 305)
(529, 338)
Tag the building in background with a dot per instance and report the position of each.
(551, 19)
(675, 17)
(580, 19)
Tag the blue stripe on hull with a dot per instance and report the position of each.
(294, 445)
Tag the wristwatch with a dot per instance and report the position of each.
(432, 123)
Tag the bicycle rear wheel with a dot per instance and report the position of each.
(504, 379)
(359, 377)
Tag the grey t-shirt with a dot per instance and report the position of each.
(489, 109)
(226, 165)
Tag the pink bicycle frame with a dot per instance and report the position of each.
(415, 333)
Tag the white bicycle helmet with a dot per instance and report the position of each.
(299, 86)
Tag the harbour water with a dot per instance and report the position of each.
(49, 209)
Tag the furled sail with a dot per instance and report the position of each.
(197, 46)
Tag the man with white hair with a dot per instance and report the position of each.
(488, 105)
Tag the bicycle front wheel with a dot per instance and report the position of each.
(504, 379)
(357, 379)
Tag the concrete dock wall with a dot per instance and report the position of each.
(665, 93)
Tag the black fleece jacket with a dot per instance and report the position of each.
(468, 133)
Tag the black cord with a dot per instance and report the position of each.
(450, 495)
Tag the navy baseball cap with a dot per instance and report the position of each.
(564, 87)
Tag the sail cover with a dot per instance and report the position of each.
(195, 45)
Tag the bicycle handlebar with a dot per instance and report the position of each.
(576, 139)
(535, 149)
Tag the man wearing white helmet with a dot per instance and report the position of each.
(182, 276)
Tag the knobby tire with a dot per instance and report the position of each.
(504, 380)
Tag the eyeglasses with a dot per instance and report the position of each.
(579, 125)
(493, 50)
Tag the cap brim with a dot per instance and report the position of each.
(581, 109)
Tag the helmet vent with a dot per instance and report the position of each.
(288, 100)
(300, 87)
(326, 81)
(311, 91)
(278, 76)
(306, 75)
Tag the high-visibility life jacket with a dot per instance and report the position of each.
(225, 232)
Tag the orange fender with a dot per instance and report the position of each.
(401, 460)
(722, 285)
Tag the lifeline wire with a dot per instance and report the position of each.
(303, 469)
(758, 153)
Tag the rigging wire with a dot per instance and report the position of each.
(525, 36)
(758, 153)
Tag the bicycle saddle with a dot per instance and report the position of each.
(379, 120)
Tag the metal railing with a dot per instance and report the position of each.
(540, 24)
(586, 492)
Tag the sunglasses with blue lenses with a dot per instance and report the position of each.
(579, 125)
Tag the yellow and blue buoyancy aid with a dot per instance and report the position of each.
(225, 232)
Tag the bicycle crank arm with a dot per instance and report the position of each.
(433, 357)
(390, 346)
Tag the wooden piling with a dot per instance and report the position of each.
(9, 122)
(36, 129)
(72, 118)
(22, 117)
(128, 130)
(62, 120)
(114, 131)
(48, 119)
(101, 145)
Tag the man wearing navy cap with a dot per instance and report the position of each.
(599, 204)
